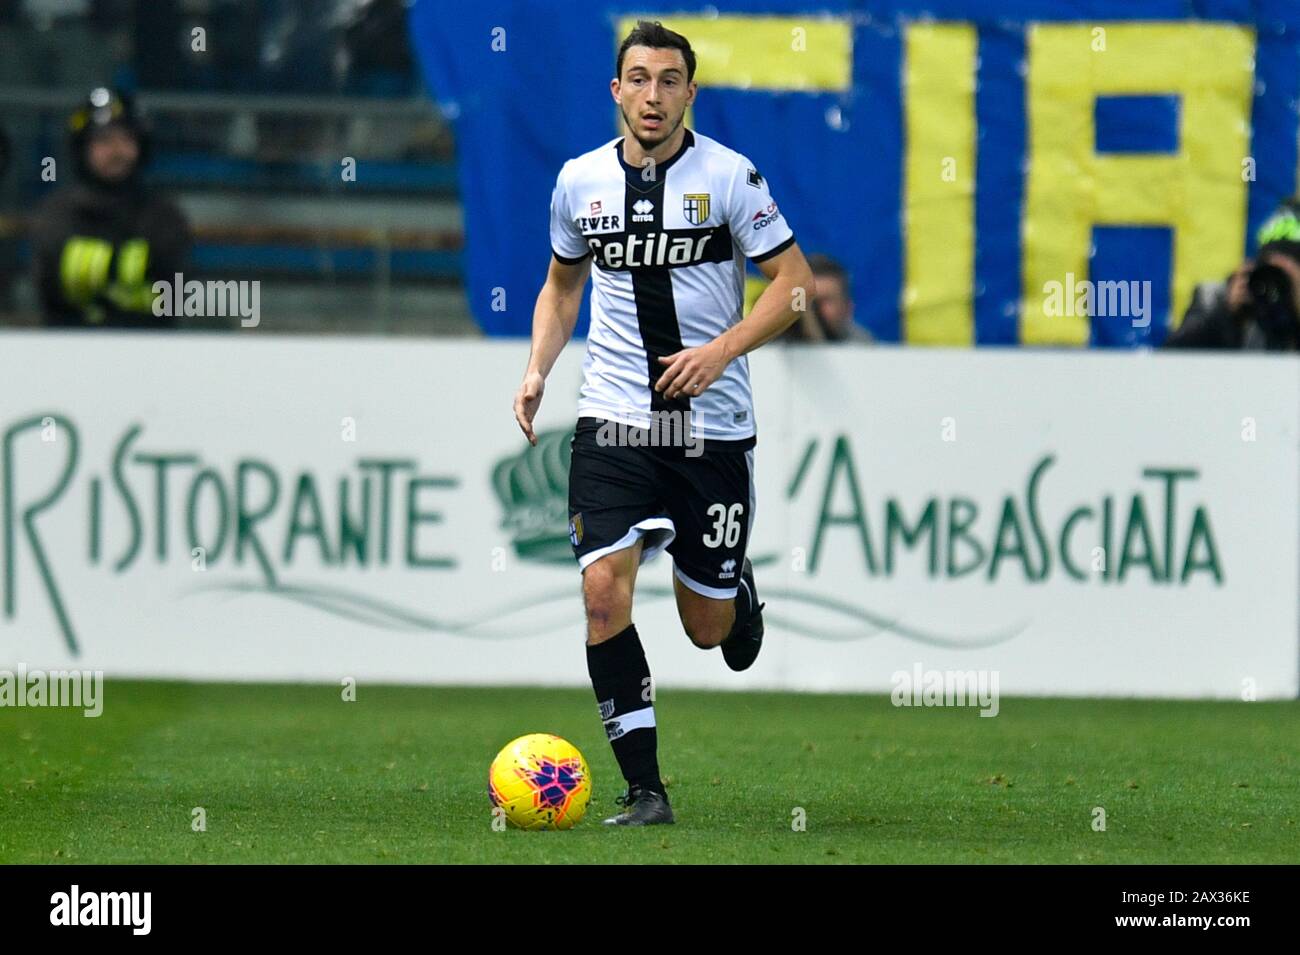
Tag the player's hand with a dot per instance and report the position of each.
(690, 371)
(527, 400)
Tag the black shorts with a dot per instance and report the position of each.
(696, 506)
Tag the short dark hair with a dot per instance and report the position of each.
(655, 35)
(821, 264)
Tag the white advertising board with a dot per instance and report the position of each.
(279, 508)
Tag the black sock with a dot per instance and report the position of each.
(621, 678)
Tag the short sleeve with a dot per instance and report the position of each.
(567, 242)
(757, 225)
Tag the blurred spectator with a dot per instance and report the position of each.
(98, 244)
(1258, 307)
(378, 50)
(831, 316)
(286, 46)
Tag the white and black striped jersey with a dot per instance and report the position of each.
(669, 244)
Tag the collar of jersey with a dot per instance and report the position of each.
(687, 142)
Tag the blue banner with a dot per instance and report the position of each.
(1055, 172)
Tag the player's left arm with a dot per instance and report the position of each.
(691, 371)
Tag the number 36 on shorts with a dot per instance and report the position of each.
(726, 525)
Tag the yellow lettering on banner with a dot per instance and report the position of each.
(1197, 191)
(939, 196)
(762, 53)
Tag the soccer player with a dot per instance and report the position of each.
(662, 453)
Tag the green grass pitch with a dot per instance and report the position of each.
(291, 774)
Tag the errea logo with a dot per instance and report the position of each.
(643, 211)
(728, 569)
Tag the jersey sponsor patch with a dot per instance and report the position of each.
(589, 225)
(671, 248)
(765, 217)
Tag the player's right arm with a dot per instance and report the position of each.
(556, 312)
(554, 317)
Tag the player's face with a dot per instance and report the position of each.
(653, 93)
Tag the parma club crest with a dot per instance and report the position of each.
(695, 207)
(575, 529)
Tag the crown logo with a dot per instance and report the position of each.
(533, 488)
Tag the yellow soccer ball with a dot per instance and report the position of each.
(540, 781)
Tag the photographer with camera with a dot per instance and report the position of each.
(1258, 307)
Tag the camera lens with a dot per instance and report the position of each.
(1269, 285)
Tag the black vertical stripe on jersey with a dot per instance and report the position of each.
(652, 286)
